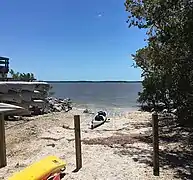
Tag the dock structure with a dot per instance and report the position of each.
(4, 67)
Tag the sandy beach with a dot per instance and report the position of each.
(115, 150)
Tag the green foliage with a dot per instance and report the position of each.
(22, 76)
(167, 61)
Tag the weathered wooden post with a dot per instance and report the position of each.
(155, 144)
(3, 109)
(3, 161)
(77, 142)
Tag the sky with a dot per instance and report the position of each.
(69, 40)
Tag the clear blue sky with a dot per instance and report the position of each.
(69, 40)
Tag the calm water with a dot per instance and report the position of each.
(119, 95)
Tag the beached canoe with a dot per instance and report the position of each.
(99, 119)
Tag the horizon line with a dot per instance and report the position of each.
(91, 81)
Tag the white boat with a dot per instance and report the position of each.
(27, 107)
(24, 94)
(39, 94)
(99, 119)
(29, 95)
(9, 109)
(4, 107)
(18, 86)
(41, 86)
(38, 103)
(18, 97)
(13, 97)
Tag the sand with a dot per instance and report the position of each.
(110, 151)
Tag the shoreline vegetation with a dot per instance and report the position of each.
(167, 73)
(166, 65)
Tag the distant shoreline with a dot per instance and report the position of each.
(93, 81)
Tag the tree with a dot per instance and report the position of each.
(167, 61)
(22, 76)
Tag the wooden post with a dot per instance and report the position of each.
(155, 144)
(3, 161)
(77, 142)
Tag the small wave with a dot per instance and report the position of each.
(112, 111)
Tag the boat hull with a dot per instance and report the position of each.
(8, 109)
(19, 86)
(96, 123)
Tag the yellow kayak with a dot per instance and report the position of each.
(41, 170)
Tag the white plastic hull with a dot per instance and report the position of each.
(94, 123)
(16, 98)
(19, 86)
(37, 103)
(24, 94)
(41, 86)
(10, 109)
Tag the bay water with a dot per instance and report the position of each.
(99, 95)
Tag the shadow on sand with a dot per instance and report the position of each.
(176, 147)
